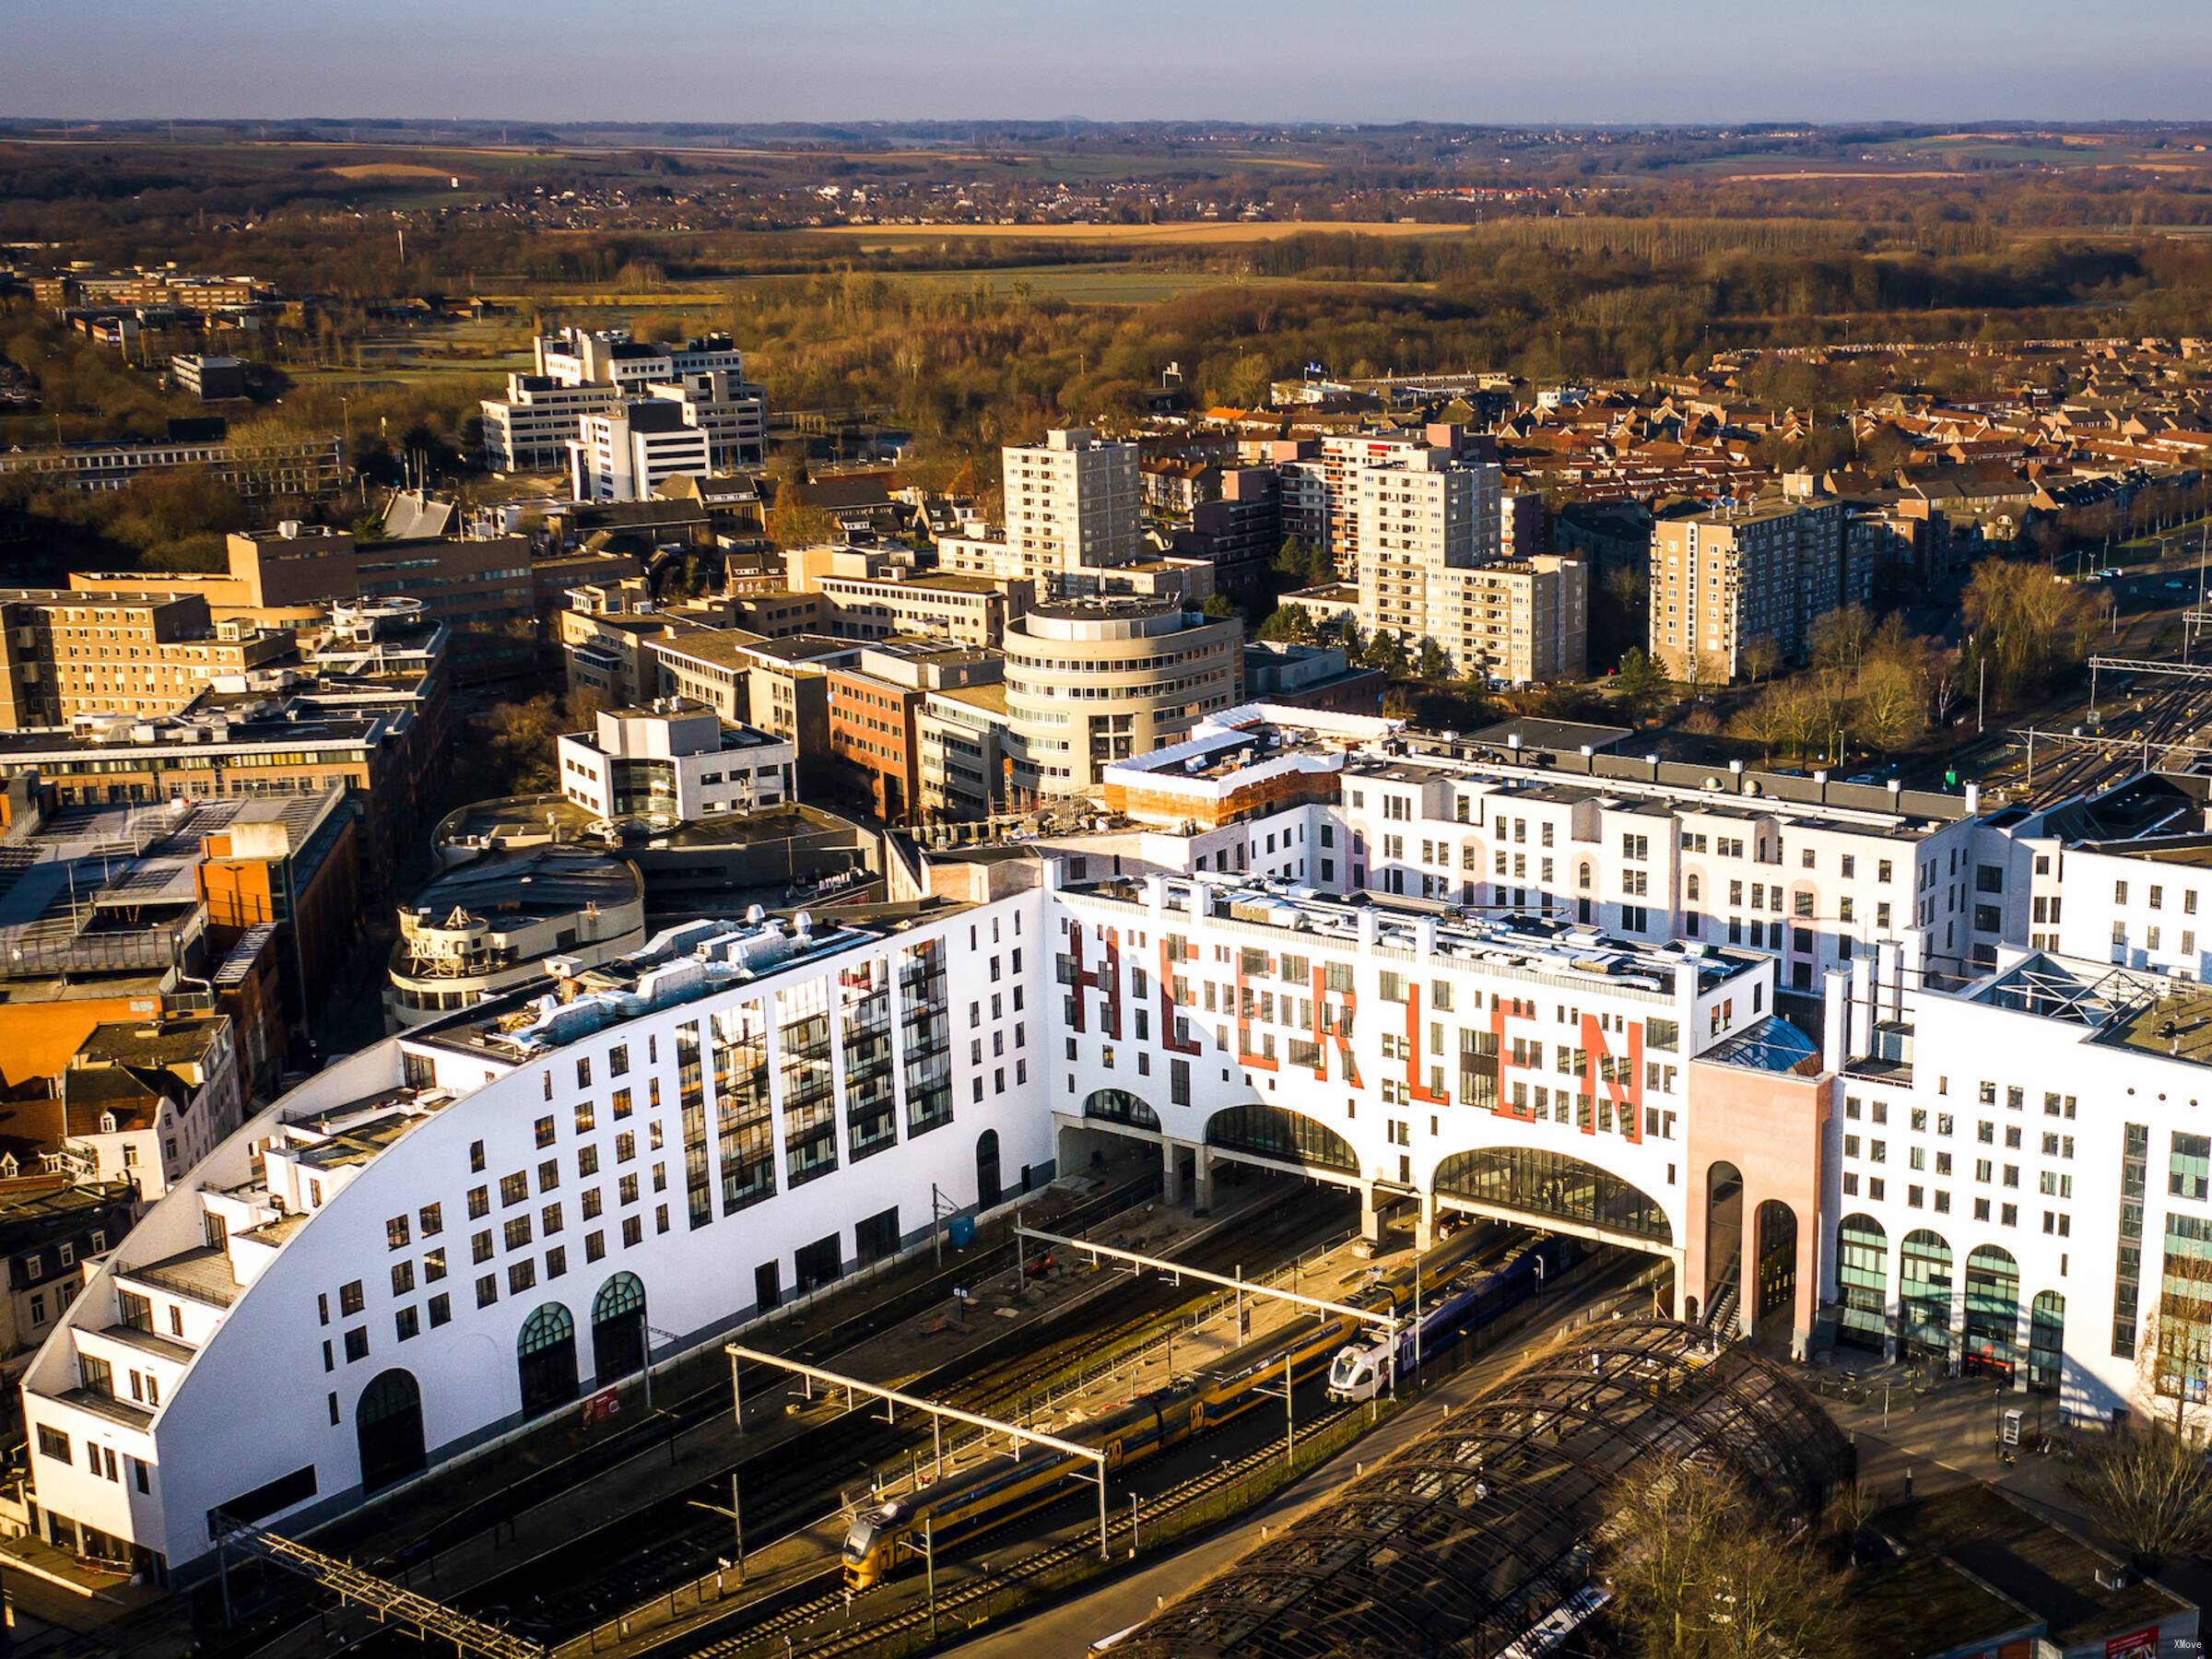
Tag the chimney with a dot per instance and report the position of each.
(1832, 1046)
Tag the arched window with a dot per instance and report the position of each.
(1533, 1181)
(1993, 1311)
(545, 1359)
(1118, 1106)
(1272, 1133)
(1689, 889)
(1863, 1282)
(387, 1423)
(986, 1169)
(1923, 1294)
(619, 1331)
(1582, 877)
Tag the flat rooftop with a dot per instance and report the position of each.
(1530, 944)
(2029, 1562)
(534, 884)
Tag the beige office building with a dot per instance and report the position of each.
(70, 654)
(1089, 682)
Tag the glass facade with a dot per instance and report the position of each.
(809, 1082)
(871, 1104)
(1863, 1283)
(1993, 1311)
(2127, 1263)
(2186, 1309)
(1924, 1297)
(1118, 1106)
(2046, 1342)
(691, 1088)
(925, 1029)
(1552, 1184)
(745, 1116)
(1285, 1137)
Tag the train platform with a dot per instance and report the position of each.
(1092, 1385)
(668, 1459)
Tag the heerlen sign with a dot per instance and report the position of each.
(2136, 1644)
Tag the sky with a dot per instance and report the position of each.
(1502, 61)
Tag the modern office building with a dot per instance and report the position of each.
(673, 761)
(209, 377)
(579, 373)
(1089, 682)
(257, 468)
(625, 452)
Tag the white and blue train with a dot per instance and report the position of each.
(1466, 1300)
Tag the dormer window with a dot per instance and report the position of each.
(107, 1122)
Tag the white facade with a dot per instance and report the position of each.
(2018, 1175)
(582, 373)
(674, 762)
(628, 452)
(1814, 885)
(419, 1206)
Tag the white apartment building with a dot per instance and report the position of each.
(1073, 508)
(1320, 493)
(674, 762)
(628, 452)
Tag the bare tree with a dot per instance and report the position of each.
(1701, 1573)
(2151, 1490)
(1762, 657)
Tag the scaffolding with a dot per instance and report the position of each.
(434, 1620)
(937, 1413)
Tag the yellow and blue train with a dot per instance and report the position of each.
(889, 1538)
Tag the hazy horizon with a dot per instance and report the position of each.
(1607, 62)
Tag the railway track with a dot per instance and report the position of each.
(633, 1559)
(954, 1604)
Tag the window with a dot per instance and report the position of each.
(396, 1233)
(479, 1203)
(357, 1344)
(406, 1323)
(349, 1296)
(442, 1310)
(402, 1278)
(54, 1443)
(488, 1290)
(543, 1131)
(515, 1189)
(433, 1219)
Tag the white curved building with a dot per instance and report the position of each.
(458, 1231)
(1093, 681)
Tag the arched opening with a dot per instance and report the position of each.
(986, 1169)
(1118, 1106)
(1552, 1186)
(2046, 1342)
(1724, 1230)
(1285, 1137)
(1923, 1296)
(1992, 1312)
(619, 1328)
(1776, 1250)
(387, 1423)
(545, 1359)
(1863, 1284)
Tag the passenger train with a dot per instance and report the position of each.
(1468, 1299)
(889, 1538)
